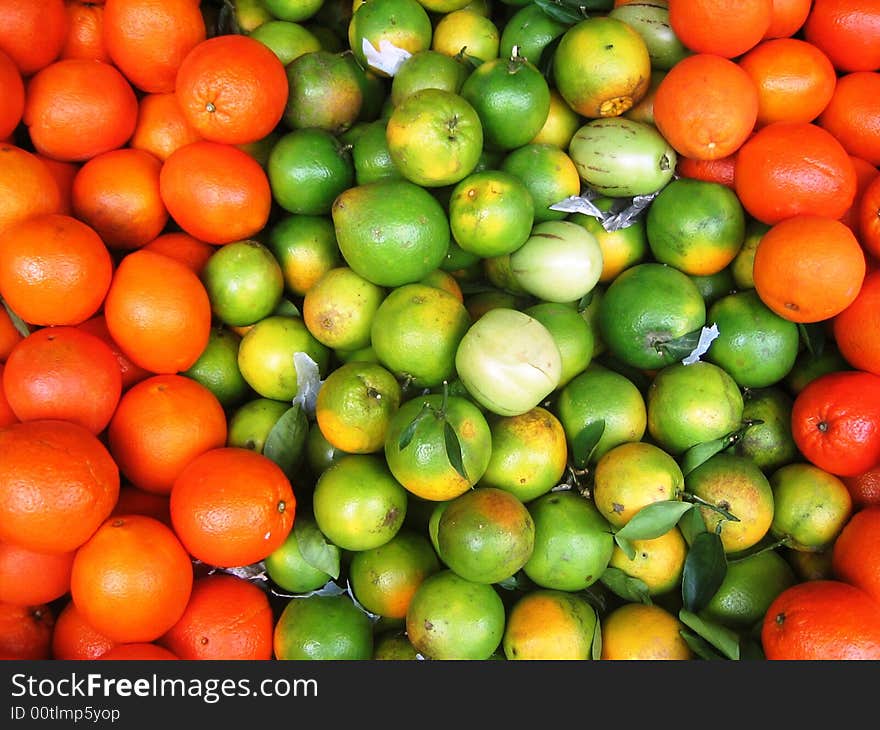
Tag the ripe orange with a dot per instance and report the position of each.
(854, 556)
(835, 422)
(85, 31)
(787, 18)
(134, 501)
(161, 126)
(27, 187)
(26, 631)
(795, 80)
(786, 261)
(54, 270)
(232, 89)
(706, 106)
(822, 620)
(160, 425)
(857, 327)
(63, 373)
(77, 108)
(74, 638)
(61, 482)
(131, 373)
(29, 577)
(158, 312)
(787, 168)
(848, 31)
(32, 34)
(7, 415)
(231, 506)
(850, 116)
(227, 618)
(215, 192)
(138, 651)
(726, 28)
(718, 170)
(148, 39)
(865, 174)
(190, 251)
(548, 624)
(643, 632)
(132, 579)
(117, 194)
(12, 104)
(63, 173)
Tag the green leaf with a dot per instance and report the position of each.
(584, 444)
(654, 520)
(625, 545)
(561, 12)
(625, 586)
(700, 646)
(287, 308)
(721, 637)
(286, 442)
(813, 335)
(704, 569)
(453, 449)
(679, 348)
(691, 525)
(315, 549)
(406, 436)
(17, 321)
(519, 581)
(701, 453)
(586, 300)
(596, 644)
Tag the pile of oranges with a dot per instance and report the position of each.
(301, 357)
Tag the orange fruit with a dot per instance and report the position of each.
(63, 373)
(134, 501)
(12, 106)
(855, 328)
(657, 562)
(29, 577)
(117, 194)
(62, 484)
(63, 173)
(835, 422)
(718, 170)
(85, 31)
(864, 488)
(26, 631)
(190, 251)
(787, 168)
(789, 254)
(132, 579)
(160, 425)
(706, 106)
(7, 415)
(232, 89)
(787, 18)
(74, 638)
(868, 214)
(849, 116)
(215, 192)
(854, 553)
(721, 27)
(795, 80)
(226, 618)
(54, 270)
(27, 186)
(848, 31)
(403, 23)
(552, 625)
(158, 312)
(148, 39)
(32, 34)
(161, 127)
(638, 631)
(138, 651)
(78, 108)
(467, 32)
(865, 174)
(231, 506)
(822, 620)
(131, 373)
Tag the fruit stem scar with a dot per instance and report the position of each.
(780, 619)
(822, 426)
(209, 107)
(281, 506)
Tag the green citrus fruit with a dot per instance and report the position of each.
(324, 92)
(428, 69)
(371, 156)
(293, 10)
(768, 440)
(287, 39)
(323, 627)
(305, 248)
(572, 334)
(468, 35)
(743, 263)
(549, 174)
(251, 422)
(404, 24)
(531, 30)
(289, 568)
(217, 368)
(550, 625)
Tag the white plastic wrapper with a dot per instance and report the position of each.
(387, 57)
(308, 382)
(620, 215)
(707, 337)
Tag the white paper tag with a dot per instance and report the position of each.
(707, 336)
(388, 58)
(578, 204)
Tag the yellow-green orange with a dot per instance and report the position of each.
(573, 542)
(549, 625)
(428, 69)
(371, 156)
(572, 334)
(621, 247)
(287, 39)
(601, 394)
(339, 308)
(288, 568)
(768, 440)
(742, 265)
(217, 368)
(357, 502)
(450, 617)
(305, 248)
(690, 404)
(529, 453)
(560, 125)
(485, 535)
(422, 465)
(323, 627)
(639, 631)
(549, 174)
(466, 33)
(658, 562)
(735, 484)
(811, 507)
(531, 30)
(631, 476)
(384, 579)
(402, 23)
(416, 331)
(635, 327)
(324, 92)
(251, 422)
(355, 405)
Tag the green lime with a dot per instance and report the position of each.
(305, 248)
(428, 69)
(371, 156)
(549, 174)
(768, 440)
(323, 627)
(217, 368)
(289, 567)
(324, 92)
(251, 422)
(572, 334)
(531, 30)
(287, 40)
